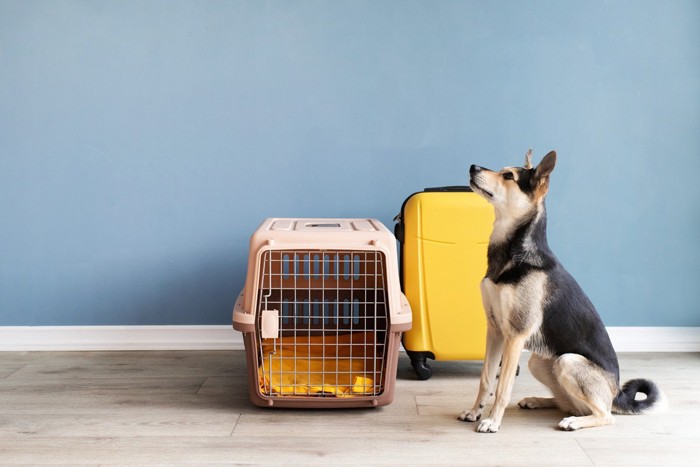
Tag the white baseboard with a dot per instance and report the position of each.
(70, 338)
(79, 338)
(655, 339)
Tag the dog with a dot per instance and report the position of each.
(531, 302)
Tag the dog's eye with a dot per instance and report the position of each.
(508, 176)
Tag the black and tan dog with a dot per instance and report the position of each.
(533, 303)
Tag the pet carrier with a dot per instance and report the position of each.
(322, 313)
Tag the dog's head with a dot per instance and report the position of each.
(514, 191)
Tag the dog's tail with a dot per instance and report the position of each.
(626, 401)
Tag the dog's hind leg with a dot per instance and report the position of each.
(494, 350)
(590, 389)
(543, 370)
(538, 403)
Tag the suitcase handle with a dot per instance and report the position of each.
(453, 188)
(398, 228)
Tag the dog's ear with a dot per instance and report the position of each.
(540, 181)
(547, 165)
(528, 159)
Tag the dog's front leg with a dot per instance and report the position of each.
(494, 349)
(512, 350)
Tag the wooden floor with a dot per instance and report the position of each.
(169, 408)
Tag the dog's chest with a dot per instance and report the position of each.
(515, 308)
(499, 304)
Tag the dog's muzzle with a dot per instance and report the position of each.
(474, 171)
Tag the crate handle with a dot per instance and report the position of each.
(324, 225)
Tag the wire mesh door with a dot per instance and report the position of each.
(322, 323)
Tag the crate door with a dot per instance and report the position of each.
(324, 314)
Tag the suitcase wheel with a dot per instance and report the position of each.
(420, 364)
(423, 370)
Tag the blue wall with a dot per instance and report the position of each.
(141, 142)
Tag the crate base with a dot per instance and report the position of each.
(323, 401)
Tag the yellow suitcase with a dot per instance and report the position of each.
(443, 235)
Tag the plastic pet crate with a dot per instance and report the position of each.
(322, 313)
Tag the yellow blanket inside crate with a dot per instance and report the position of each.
(341, 365)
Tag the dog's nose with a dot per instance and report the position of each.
(474, 169)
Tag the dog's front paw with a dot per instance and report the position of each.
(488, 425)
(569, 424)
(470, 415)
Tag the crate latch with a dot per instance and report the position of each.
(270, 327)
